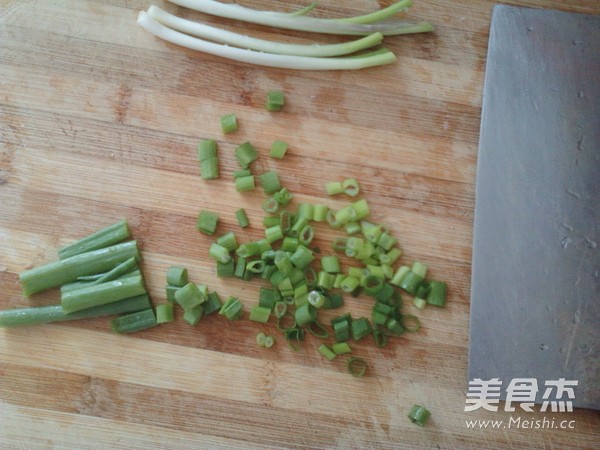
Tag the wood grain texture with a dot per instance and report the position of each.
(99, 121)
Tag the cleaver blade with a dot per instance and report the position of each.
(535, 289)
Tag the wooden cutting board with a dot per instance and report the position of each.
(99, 121)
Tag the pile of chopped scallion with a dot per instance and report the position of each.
(99, 274)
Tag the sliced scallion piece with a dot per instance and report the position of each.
(207, 222)
(419, 414)
(133, 322)
(242, 218)
(278, 149)
(177, 276)
(229, 123)
(245, 154)
(356, 366)
(164, 313)
(245, 184)
(326, 352)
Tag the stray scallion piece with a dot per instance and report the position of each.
(334, 188)
(229, 123)
(207, 222)
(278, 149)
(340, 348)
(164, 313)
(350, 187)
(437, 293)
(242, 218)
(207, 158)
(270, 182)
(245, 184)
(356, 366)
(245, 154)
(419, 414)
(326, 352)
(189, 296)
(193, 315)
(275, 100)
(219, 253)
(177, 276)
(241, 173)
(269, 341)
(212, 304)
(137, 321)
(259, 314)
(232, 309)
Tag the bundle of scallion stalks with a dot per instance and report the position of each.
(340, 56)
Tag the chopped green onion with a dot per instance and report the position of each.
(271, 221)
(105, 237)
(385, 293)
(339, 244)
(419, 415)
(245, 154)
(270, 205)
(242, 218)
(229, 123)
(410, 282)
(164, 313)
(232, 309)
(305, 314)
(101, 294)
(278, 149)
(193, 315)
(279, 309)
(284, 329)
(373, 285)
(306, 235)
(266, 298)
(207, 149)
(437, 293)
(225, 270)
(177, 276)
(240, 267)
(316, 299)
(66, 270)
(274, 233)
(326, 352)
(419, 303)
(387, 241)
(317, 330)
(350, 186)
(302, 257)
(345, 215)
(325, 280)
(219, 253)
(394, 326)
(380, 338)
(189, 296)
(212, 304)
(289, 244)
(259, 314)
(306, 211)
(275, 100)
(285, 220)
(341, 327)
(356, 366)
(410, 323)
(361, 209)
(241, 173)
(170, 290)
(245, 184)
(270, 182)
(340, 348)
(419, 269)
(283, 197)
(256, 266)
(207, 222)
(352, 227)
(229, 241)
(320, 213)
(423, 290)
(136, 321)
(260, 339)
(333, 301)
(349, 284)
(248, 249)
(334, 188)
(360, 328)
(269, 341)
(399, 275)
